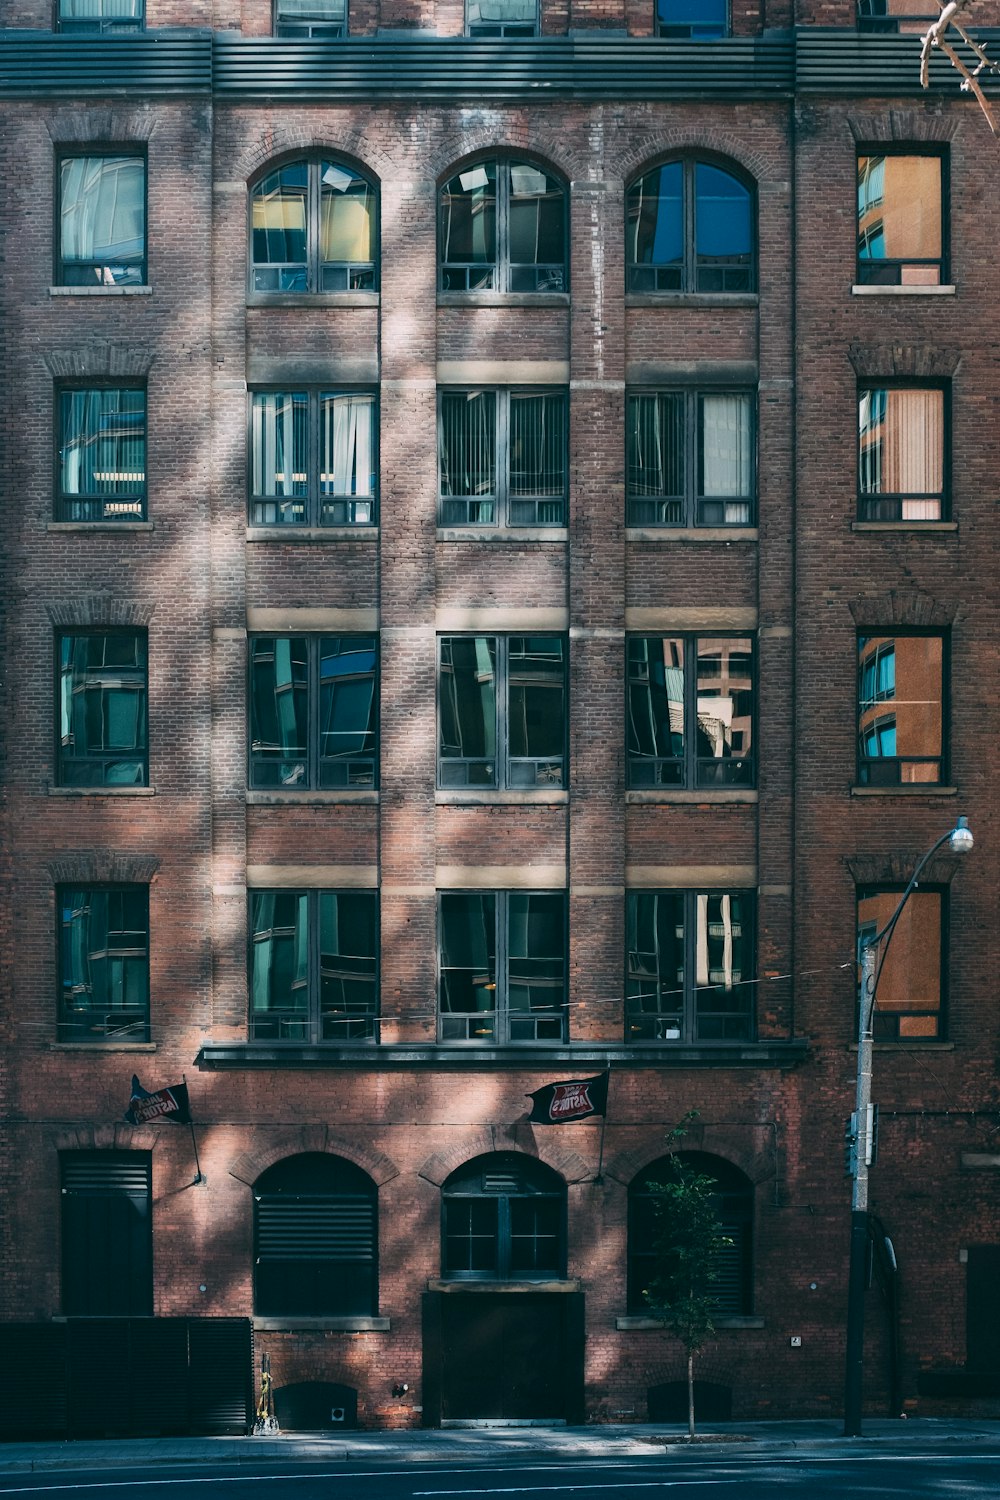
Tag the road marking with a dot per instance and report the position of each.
(544, 1489)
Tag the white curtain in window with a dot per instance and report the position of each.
(273, 444)
(913, 450)
(311, 10)
(495, 12)
(726, 445)
(101, 10)
(347, 445)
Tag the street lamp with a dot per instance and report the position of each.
(960, 839)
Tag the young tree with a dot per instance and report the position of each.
(687, 1240)
(978, 61)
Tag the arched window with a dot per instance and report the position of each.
(734, 1207)
(502, 227)
(689, 228)
(315, 1239)
(504, 1219)
(313, 228)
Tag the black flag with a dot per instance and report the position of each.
(165, 1104)
(577, 1099)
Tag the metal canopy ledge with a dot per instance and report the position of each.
(245, 1056)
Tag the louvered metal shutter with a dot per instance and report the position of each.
(315, 1227)
(107, 1234)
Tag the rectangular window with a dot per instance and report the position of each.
(691, 458)
(298, 18)
(901, 687)
(901, 454)
(312, 458)
(313, 711)
(107, 1234)
(502, 458)
(103, 963)
(690, 711)
(314, 966)
(101, 709)
(696, 20)
(913, 16)
(100, 15)
(502, 976)
(501, 17)
(102, 220)
(101, 464)
(689, 966)
(502, 711)
(901, 223)
(909, 993)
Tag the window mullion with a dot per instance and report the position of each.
(501, 699)
(501, 478)
(690, 710)
(689, 909)
(312, 711)
(312, 460)
(313, 963)
(501, 949)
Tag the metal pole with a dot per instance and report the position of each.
(857, 1283)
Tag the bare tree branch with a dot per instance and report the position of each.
(936, 38)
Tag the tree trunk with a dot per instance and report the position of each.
(690, 1394)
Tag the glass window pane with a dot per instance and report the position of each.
(468, 703)
(908, 996)
(468, 227)
(101, 15)
(656, 445)
(900, 218)
(536, 951)
(723, 227)
(279, 446)
(348, 964)
(279, 952)
(724, 945)
(537, 444)
(702, 20)
(654, 965)
(725, 709)
(725, 454)
(279, 697)
(347, 228)
(102, 454)
(279, 208)
(468, 443)
(656, 710)
(900, 717)
(102, 208)
(348, 672)
(536, 229)
(901, 453)
(102, 709)
(103, 962)
(655, 220)
(347, 465)
(536, 699)
(468, 954)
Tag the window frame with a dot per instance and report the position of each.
(462, 1189)
(502, 264)
(141, 756)
(65, 500)
(310, 1022)
(103, 27)
(313, 162)
(500, 498)
(689, 259)
(691, 501)
(864, 764)
(67, 1030)
(288, 31)
(871, 500)
(501, 1013)
(742, 1221)
(313, 501)
(265, 1301)
(887, 150)
(697, 772)
(313, 781)
(502, 759)
(687, 1032)
(685, 31)
(502, 29)
(884, 1033)
(104, 151)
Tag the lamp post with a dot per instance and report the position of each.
(960, 839)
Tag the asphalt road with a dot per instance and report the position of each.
(951, 1475)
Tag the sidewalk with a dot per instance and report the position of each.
(488, 1444)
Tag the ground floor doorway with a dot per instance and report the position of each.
(503, 1356)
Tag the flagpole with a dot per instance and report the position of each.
(194, 1144)
(604, 1121)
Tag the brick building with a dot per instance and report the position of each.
(455, 642)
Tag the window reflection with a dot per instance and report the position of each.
(313, 966)
(102, 220)
(313, 229)
(502, 227)
(502, 966)
(689, 955)
(908, 997)
(103, 963)
(690, 711)
(900, 709)
(900, 220)
(689, 229)
(901, 443)
(102, 709)
(501, 711)
(313, 712)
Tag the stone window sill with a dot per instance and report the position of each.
(446, 797)
(692, 534)
(911, 789)
(331, 1325)
(312, 533)
(308, 798)
(312, 299)
(101, 291)
(556, 1284)
(902, 291)
(710, 798)
(930, 1045)
(503, 299)
(121, 527)
(102, 1046)
(905, 526)
(492, 535)
(102, 791)
(633, 1324)
(691, 299)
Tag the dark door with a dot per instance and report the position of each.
(107, 1244)
(982, 1316)
(509, 1355)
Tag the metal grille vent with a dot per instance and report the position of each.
(111, 1175)
(315, 1227)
